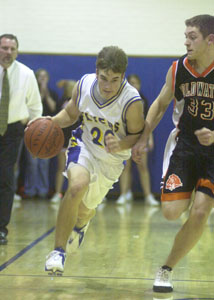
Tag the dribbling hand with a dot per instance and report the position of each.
(33, 120)
(112, 144)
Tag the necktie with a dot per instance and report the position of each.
(4, 104)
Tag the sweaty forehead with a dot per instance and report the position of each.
(109, 73)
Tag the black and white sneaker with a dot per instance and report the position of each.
(3, 239)
(163, 281)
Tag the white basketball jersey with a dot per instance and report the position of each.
(99, 119)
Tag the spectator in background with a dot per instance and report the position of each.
(19, 101)
(67, 86)
(37, 170)
(126, 177)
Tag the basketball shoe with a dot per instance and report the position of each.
(55, 262)
(124, 198)
(56, 198)
(76, 238)
(150, 200)
(163, 281)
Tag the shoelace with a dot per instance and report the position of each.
(53, 253)
(163, 275)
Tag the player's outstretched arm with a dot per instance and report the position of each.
(155, 114)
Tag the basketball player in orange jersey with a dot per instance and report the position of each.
(112, 112)
(191, 166)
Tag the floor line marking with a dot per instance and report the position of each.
(27, 248)
(104, 277)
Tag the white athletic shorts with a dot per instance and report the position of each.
(102, 174)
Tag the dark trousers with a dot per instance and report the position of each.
(9, 147)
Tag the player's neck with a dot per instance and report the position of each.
(98, 94)
(200, 65)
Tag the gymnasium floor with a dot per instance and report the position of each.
(123, 248)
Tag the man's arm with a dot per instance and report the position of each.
(155, 114)
(33, 101)
(135, 124)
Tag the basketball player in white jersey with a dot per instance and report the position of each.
(112, 112)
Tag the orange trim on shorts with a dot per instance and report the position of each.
(175, 196)
(206, 183)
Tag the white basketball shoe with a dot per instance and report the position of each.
(76, 238)
(55, 262)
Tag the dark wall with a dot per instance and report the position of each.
(152, 72)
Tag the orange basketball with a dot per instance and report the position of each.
(44, 138)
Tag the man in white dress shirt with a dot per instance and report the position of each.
(24, 104)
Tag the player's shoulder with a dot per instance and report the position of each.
(179, 62)
(89, 77)
(129, 90)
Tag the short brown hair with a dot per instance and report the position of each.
(205, 23)
(11, 37)
(112, 58)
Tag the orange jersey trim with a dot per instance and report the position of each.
(175, 196)
(205, 183)
(174, 69)
(194, 72)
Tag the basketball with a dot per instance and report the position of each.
(44, 138)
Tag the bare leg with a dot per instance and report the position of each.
(125, 178)
(84, 215)
(192, 230)
(144, 175)
(69, 206)
(60, 169)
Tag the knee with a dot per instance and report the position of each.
(77, 188)
(172, 210)
(171, 214)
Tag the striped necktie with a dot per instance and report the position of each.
(4, 104)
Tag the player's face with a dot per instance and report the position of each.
(8, 52)
(109, 83)
(195, 44)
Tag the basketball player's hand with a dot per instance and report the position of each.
(33, 120)
(112, 144)
(205, 136)
(138, 150)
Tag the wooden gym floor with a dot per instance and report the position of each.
(123, 248)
